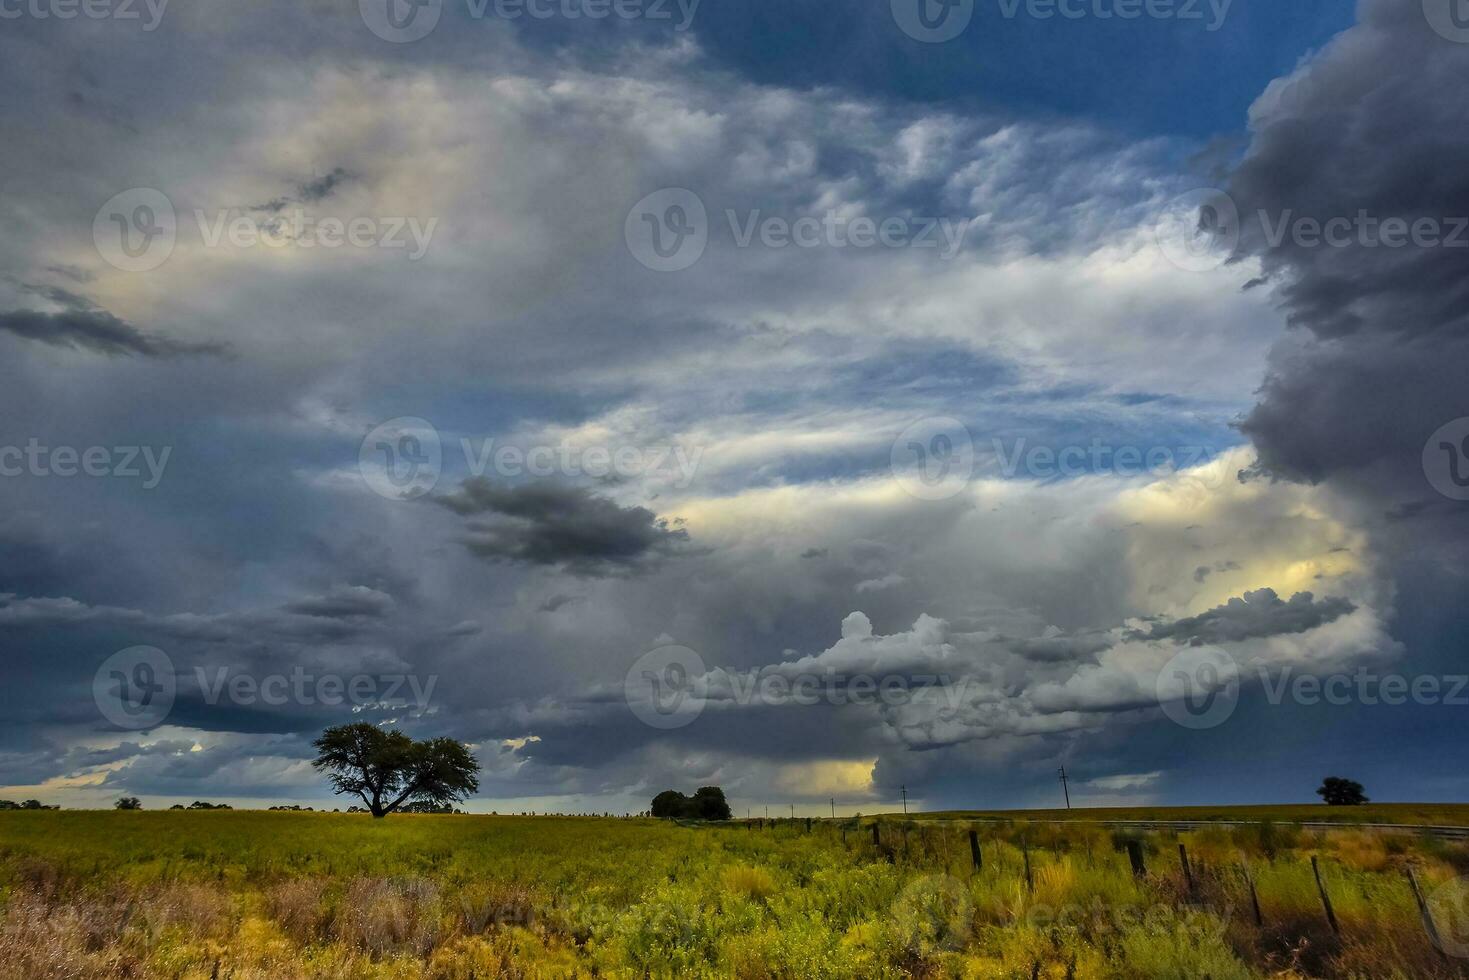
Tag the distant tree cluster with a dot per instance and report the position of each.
(423, 806)
(293, 808)
(707, 803)
(26, 805)
(201, 805)
(128, 803)
(1341, 792)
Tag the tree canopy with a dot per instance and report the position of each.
(707, 803)
(387, 769)
(1341, 792)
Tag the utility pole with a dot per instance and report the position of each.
(905, 799)
(833, 807)
(793, 811)
(1064, 788)
(767, 811)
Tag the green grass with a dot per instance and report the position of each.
(1427, 814)
(250, 895)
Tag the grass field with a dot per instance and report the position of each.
(1422, 814)
(288, 895)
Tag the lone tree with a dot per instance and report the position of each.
(128, 803)
(1341, 792)
(389, 769)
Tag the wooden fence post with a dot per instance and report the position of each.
(1325, 899)
(1424, 912)
(1135, 855)
(876, 838)
(974, 850)
(808, 825)
(1188, 873)
(1254, 899)
(1029, 880)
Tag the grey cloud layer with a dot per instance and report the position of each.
(1365, 127)
(795, 370)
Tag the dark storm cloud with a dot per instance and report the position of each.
(1369, 130)
(1257, 614)
(81, 325)
(308, 192)
(567, 527)
(322, 187)
(344, 603)
(317, 619)
(1345, 135)
(97, 331)
(1061, 649)
(555, 602)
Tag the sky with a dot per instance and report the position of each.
(825, 401)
